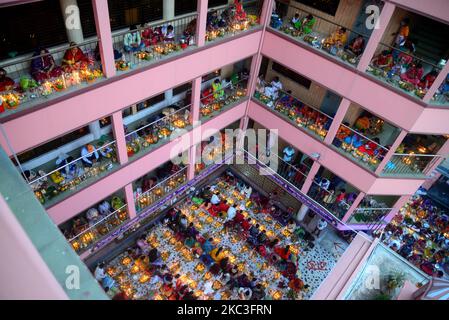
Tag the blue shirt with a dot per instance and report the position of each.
(288, 154)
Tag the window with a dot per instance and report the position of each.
(188, 6)
(87, 18)
(124, 13)
(156, 99)
(25, 26)
(52, 145)
(182, 88)
(327, 6)
(292, 75)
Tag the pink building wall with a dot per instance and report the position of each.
(23, 263)
(112, 96)
(89, 196)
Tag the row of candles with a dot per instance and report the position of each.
(91, 235)
(12, 99)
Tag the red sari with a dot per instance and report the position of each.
(74, 60)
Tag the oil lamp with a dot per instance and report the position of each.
(126, 261)
(134, 269)
(144, 278)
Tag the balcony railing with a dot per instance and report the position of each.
(161, 189)
(87, 238)
(231, 20)
(295, 174)
(399, 68)
(152, 135)
(369, 216)
(57, 184)
(49, 75)
(328, 199)
(359, 148)
(411, 165)
(153, 42)
(306, 117)
(216, 101)
(346, 45)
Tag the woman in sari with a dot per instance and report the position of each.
(74, 58)
(43, 66)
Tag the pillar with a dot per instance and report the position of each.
(168, 9)
(119, 135)
(201, 22)
(302, 213)
(195, 117)
(397, 206)
(310, 176)
(338, 119)
(129, 199)
(376, 36)
(72, 20)
(353, 206)
(391, 152)
(103, 27)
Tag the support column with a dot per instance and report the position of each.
(397, 206)
(195, 117)
(376, 36)
(391, 152)
(103, 26)
(129, 198)
(443, 152)
(95, 129)
(201, 22)
(302, 213)
(119, 134)
(310, 176)
(437, 83)
(353, 206)
(257, 59)
(72, 20)
(192, 161)
(168, 9)
(338, 119)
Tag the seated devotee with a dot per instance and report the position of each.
(413, 74)
(296, 20)
(89, 155)
(276, 84)
(383, 60)
(370, 147)
(132, 41)
(337, 39)
(217, 89)
(43, 66)
(74, 59)
(6, 83)
(283, 253)
(217, 254)
(356, 45)
(240, 13)
(353, 140)
(306, 24)
(208, 245)
(155, 259)
(428, 80)
(168, 33)
(143, 245)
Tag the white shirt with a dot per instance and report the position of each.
(322, 224)
(215, 199)
(99, 274)
(231, 213)
(277, 85)
(85, 154)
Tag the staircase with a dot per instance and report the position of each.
(430, 38)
